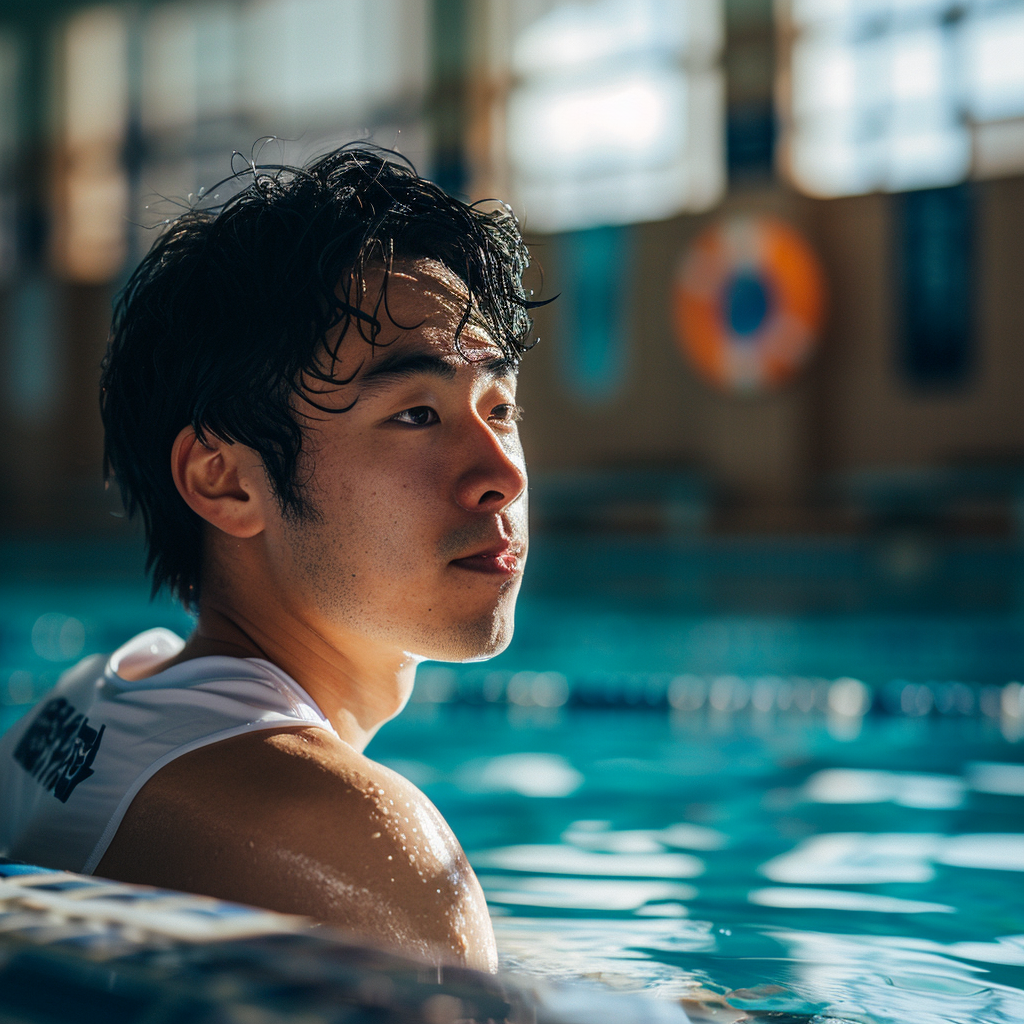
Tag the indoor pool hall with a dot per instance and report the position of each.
(540, 536)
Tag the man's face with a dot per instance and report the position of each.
(420, 486)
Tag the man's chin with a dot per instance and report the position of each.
(472, 641)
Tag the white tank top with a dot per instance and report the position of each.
(71, 767)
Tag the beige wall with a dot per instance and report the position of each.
(870, 416)
(850, 409)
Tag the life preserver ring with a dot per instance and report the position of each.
(748, 303)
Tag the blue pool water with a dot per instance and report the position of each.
(873, 877)
(671, 782)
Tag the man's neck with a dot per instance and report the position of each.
(357, 686)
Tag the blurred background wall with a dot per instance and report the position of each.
(890, 135)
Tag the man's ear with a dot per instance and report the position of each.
(221, 482)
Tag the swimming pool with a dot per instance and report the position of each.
(868, 877)
(672, 794)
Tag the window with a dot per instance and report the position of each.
(347, 61)
(901, 94)
(92, 188)
(219, 75)
(615, 111)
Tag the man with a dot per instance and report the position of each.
(310, 397)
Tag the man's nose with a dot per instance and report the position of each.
(494, 475)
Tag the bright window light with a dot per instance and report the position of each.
(189, 64)
(616, 113)
(917, 66)
(573, 35)
(95, 93)
(609, 126)
(89, 238)
(927, 149)
(331, 59)
(831, 69)
(996, 47)
(902, 94)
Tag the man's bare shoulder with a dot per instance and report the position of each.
(298, 821)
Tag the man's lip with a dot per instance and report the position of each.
(505, 559)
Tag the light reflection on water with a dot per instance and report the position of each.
(875, 881)
(568, 860)
(842, 899)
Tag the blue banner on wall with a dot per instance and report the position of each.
(936, 252)
(595, 270)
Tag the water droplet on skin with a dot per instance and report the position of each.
(376, 835)
(390, 857)
(251, 844)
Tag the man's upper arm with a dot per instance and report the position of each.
(298, 822)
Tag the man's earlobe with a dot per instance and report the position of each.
(220, 481)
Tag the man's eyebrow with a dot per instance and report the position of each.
(400, 365)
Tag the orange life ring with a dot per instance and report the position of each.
(748, 303)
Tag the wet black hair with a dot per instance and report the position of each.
(222, 326)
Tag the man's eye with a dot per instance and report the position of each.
(508, 413)
(418, 416)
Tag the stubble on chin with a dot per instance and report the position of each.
(478, 639)
(338, 595)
